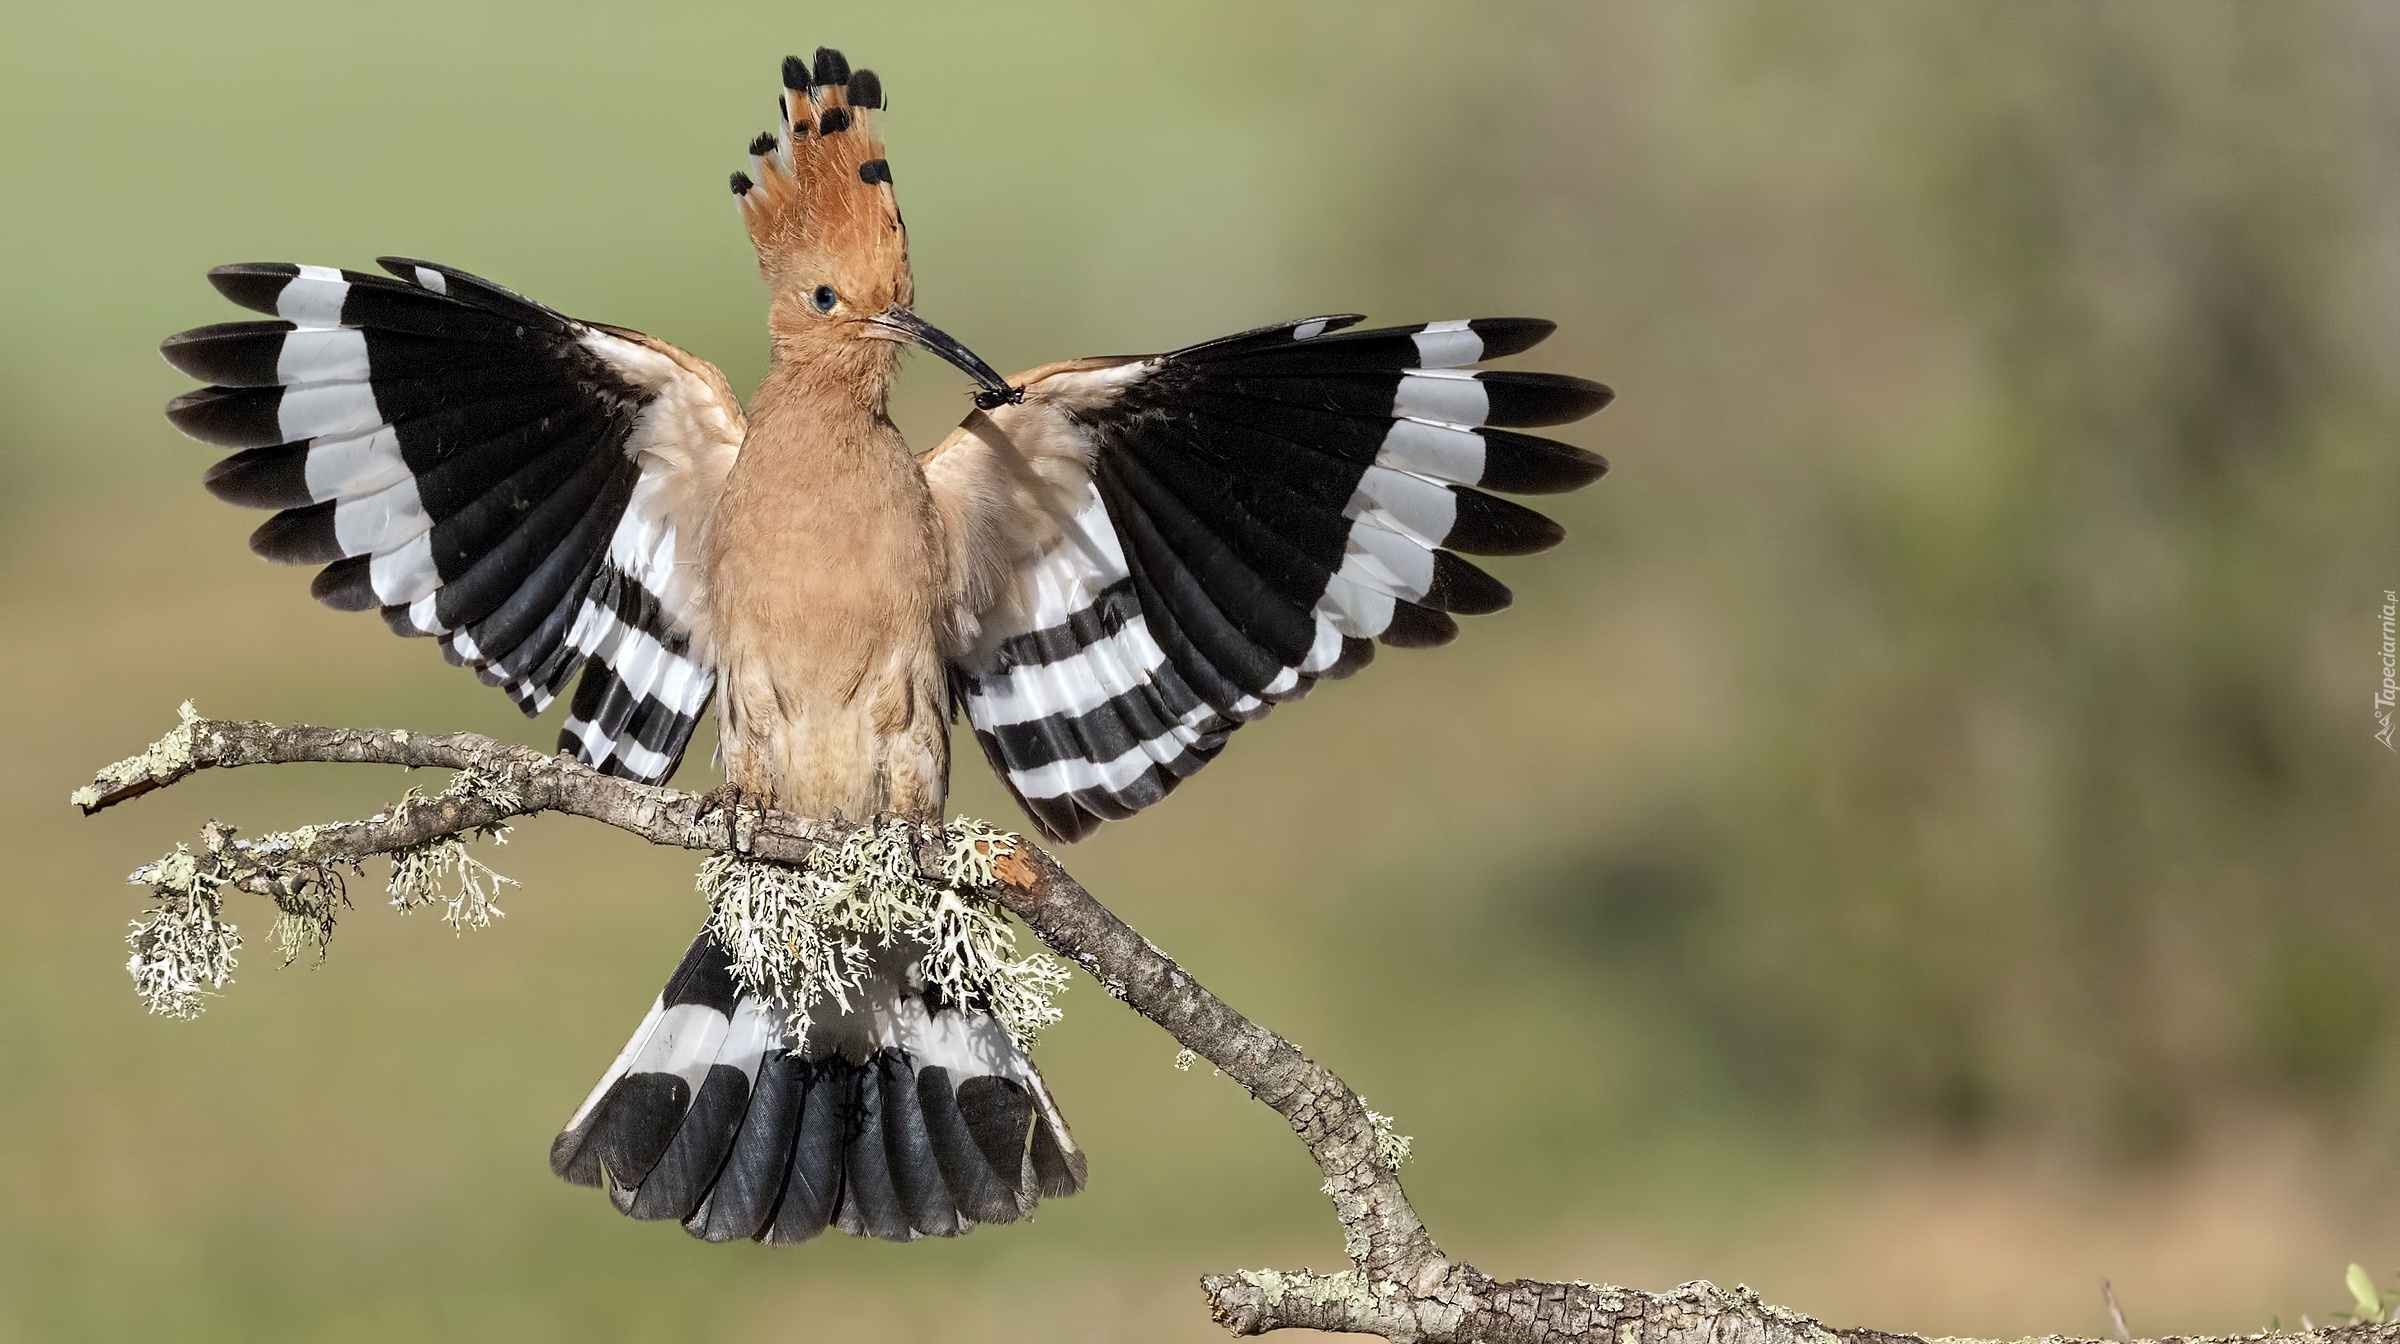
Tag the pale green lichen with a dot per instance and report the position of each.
(1391, 1146)
(466, 784)
(1349, 1288)
(805, 935)
(1183, 1060)
(309, 892)
(973, 850)
(308, 898)
(183, 948)
(165, 759)
(305, 926)
(783, 949)
(441, 871)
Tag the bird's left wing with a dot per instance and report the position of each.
(1147, 552)
(522, 486)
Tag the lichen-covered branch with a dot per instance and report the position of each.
(1399, 1284)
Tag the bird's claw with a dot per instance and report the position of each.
(730, 798)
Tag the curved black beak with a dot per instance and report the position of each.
(899, 324)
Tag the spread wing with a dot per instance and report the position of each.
(521, 486)
(1148, 552)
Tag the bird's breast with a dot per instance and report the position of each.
(823, 574)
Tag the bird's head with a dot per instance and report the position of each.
(831, 245)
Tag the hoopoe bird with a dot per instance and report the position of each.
(1110, 566)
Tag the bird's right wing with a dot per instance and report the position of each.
(522, 486)
(1147, 552)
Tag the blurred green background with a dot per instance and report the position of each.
(1918, 847)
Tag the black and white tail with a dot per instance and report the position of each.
(904, 1117)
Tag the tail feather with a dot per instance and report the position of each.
(870, 1198)
(1058, 1165)
(908, 1146)
(624, 1127)
(814, 1190)
(983, 1194)
(742, 1201)
(690, 1165)
(905, 1117)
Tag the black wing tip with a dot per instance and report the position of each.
(260, 478)
(1059, 820)
(398, 620)
(1463, 590)
(1601, 394)
(1416, 627)
(1520, 464)
(346, 585)
(227, 417)
(831, 68)
(795, 74)
(201, 352)
(252, 284)
(1543, 398)
(301, 536)
(244, 270)
(171, 344)
(1059, 826)
(763, 144)
(1504, 336)
(183, 402)
(742, 184)
(1489, 525)
(1356, 653)
(866, 89)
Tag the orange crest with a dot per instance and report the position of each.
(818, 198)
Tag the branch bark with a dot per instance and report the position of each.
(1399, 1284)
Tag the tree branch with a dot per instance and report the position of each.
(1399, 1286)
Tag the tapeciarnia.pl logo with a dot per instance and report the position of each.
(2388, 693)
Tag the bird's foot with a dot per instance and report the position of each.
(731, 799)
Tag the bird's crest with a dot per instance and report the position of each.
(818, 197)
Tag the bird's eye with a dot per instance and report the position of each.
(825, 298)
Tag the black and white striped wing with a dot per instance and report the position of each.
(1252, 516)
(521, 486)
